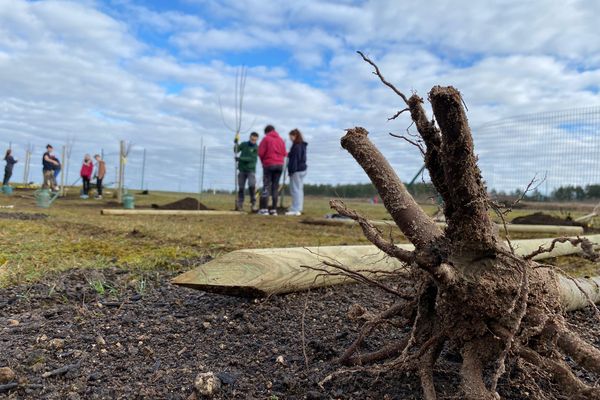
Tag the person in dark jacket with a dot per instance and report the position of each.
(49, 165)
(8, 169)
(272, 155)
(297, 172)
(248, 155)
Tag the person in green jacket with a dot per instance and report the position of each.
(248, 154)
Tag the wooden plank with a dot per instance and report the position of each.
(263, 272)
(512, 228)
(122, 212)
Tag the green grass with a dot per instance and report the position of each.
(75, 235)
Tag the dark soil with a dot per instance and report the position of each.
(188, 203)
(22, 216)
(539, 218)
(144, 338)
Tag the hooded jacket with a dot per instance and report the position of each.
(272, 150)
(297, 158)
(87, 170)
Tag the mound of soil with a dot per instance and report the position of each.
(116, 335)
(188, 203)
(539, 218)
(22, 216)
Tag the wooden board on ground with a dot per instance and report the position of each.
(263, 272)
(512, 228)
(121, 212)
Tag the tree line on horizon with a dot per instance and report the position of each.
(424, 191)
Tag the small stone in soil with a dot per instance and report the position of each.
(7, 375)
(13, 322)
(100, 341)
(57, 344)
(226, 378)
(207, 383)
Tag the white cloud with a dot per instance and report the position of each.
(78, 69)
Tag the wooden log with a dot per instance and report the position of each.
(263, 272)
(576, 293)
(122, 212)
(512, 228)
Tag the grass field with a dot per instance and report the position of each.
(75, 235)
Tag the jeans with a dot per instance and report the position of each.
(7, 175)
(86, 185)
(99, 186)
(297, 190)
(242, 178)
(271, 175)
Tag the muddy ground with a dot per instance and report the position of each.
(130, 336)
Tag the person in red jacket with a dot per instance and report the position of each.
(87, 169)
(271, 152)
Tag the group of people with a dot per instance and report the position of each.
(272, 153)
(51, 168)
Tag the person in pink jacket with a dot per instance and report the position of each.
(271, 152)
(87, 168)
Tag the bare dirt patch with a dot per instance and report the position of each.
(117, 334)
(188, 203)
(22, 216)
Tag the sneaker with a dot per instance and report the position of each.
(273, 212)
(293, 213)
(263, 211)
(84, 196)
(99, 197)
(254, 208)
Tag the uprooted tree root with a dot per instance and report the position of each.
(472, 294)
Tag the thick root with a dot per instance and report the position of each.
(562, 374)
(584, 354)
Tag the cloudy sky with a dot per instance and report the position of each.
(152, 72)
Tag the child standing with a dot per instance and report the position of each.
(87, 169)
(297, 171)
(100, 173)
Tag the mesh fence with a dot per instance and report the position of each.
(562, 146)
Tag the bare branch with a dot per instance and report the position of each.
(416, 144)
(357, 276)
(398, 114)
(373, 234)
(385, 82)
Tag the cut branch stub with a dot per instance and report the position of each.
(417, 226)
(433, 155)
(467, 193)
